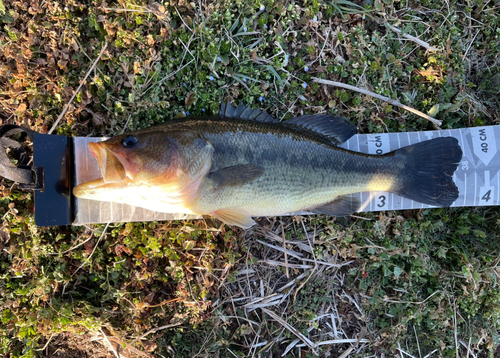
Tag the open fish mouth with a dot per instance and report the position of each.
(112, 170)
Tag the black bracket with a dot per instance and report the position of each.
(37, 183)
(50, 176)
(29, 177)
(53, 205)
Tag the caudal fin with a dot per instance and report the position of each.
(428, 170)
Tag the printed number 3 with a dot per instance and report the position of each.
(382, 201)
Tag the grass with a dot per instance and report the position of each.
(419, 283)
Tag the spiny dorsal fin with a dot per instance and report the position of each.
(343, 205)
(336, 128)
(244, 112)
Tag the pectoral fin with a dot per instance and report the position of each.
(236, 175)
(234, 217)
(344, 205)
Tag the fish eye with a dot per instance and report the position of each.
(129, 141)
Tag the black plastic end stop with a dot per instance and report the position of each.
(53, 205)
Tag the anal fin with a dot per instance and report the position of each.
(343, 205)
(234, 217)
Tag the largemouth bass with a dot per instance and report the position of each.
(243, 163)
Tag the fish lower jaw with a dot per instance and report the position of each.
(157, 202)
(160, 207)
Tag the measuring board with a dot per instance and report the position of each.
(477, 176)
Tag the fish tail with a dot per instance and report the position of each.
(427, 173)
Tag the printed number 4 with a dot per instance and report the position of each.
(487, 196)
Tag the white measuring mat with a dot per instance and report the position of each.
(477, 176)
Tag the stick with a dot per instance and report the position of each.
(158, 329)
(394, 102)
(285, 324)
(110, 345)
(78, 89)
(315, 263)
(284, 249)
(95, 247)
(412, 38)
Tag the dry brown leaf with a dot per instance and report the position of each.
(151, 40)
(27, 53)
(430, 73)
(62, 65)
(97, 118)
(68, 91)
(21, 109)
(158, 9)
(137, 67)
(34, 102)
(190, 99)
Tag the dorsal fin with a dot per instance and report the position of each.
(244, 112)
(336, 128)
(331, 129)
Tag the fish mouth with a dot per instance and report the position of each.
(88, 190)
(112, 170)
(100, 190)
(115, 176)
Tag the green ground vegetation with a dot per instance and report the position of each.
(420, 283)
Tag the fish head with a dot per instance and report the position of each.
(132, 164)
(139, 157)
(149, 164)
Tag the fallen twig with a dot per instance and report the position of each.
(284, 249)
(277, 248)
(314, 268)
(110, 346)
(437, 123)
(285, 324)
(158, 329)
(54, 126)
(412, 38)
(95, 247)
